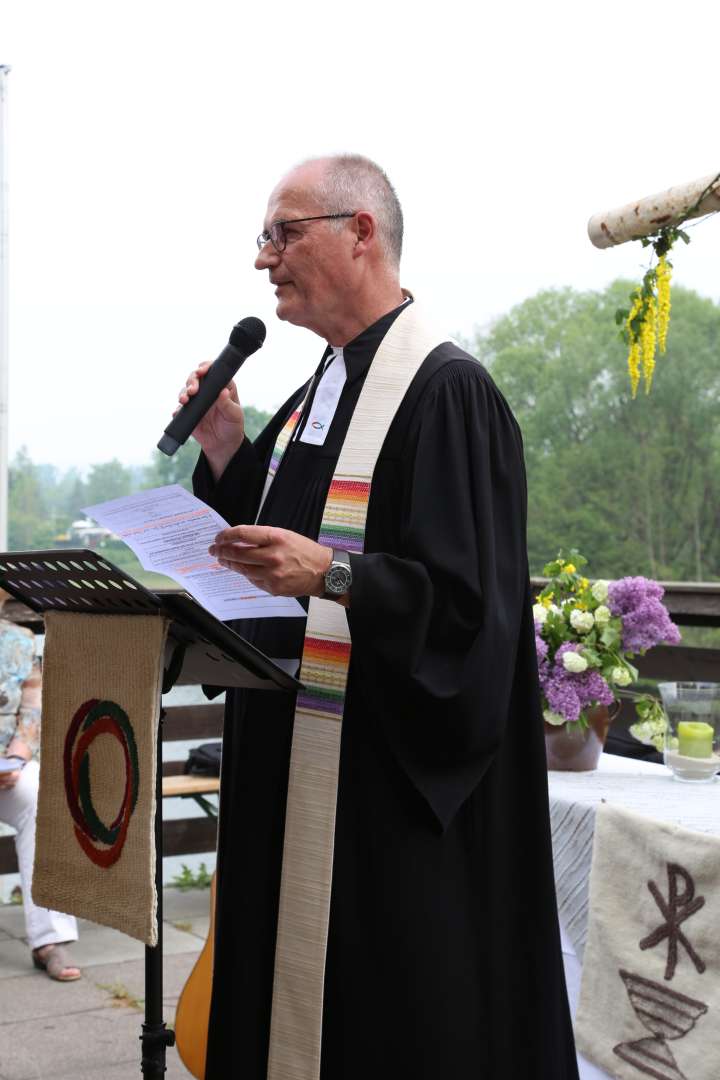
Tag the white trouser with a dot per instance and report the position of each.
(17, 808)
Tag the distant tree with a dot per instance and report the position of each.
(29, 522)
(635, 485)
(108, 480)
(66, 495)
(44, 502)
(179, 468)
(255, 420)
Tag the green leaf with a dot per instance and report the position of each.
(592, 656)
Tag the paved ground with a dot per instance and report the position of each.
(89, 1030)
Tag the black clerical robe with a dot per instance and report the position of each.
(443, 958)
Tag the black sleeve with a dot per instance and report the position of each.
(435, 628)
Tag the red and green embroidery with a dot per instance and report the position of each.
(95, 718)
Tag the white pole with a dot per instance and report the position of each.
(644, 217)
(4, 72)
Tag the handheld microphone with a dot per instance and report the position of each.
(246, 337)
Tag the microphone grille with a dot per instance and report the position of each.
(247, 332)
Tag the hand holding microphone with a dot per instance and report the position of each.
(209, 407)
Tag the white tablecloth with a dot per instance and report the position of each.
(637, 786)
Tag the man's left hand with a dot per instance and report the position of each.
(281, 562)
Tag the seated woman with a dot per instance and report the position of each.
(48, 932)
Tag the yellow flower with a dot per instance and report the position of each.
(570, 568)
(663, 275)
(634, 366)
(635, 352)
(584, 583)
(546, 601)
(647, 341)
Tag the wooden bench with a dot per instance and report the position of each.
(193, 787)
(181, 836)
(186, 836)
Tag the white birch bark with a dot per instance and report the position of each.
(646, 216)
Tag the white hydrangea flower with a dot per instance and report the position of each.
(539, 613)
(621, 676)
(582, 621)
(553, 717)
(600, 590)
(574, 662)
(603, 615)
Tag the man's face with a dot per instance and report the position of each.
(312, 275)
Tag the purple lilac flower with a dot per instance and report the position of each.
(541, 646)
(645, 620)
(568, 693)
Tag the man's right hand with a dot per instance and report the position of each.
(222, 429)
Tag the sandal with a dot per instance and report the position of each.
(56, 961)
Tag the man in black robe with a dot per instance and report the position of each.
(443, 955)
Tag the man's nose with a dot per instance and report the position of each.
(267, 257)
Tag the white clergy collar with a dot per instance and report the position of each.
(325, 400)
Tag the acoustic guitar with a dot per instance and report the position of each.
(192, 1017)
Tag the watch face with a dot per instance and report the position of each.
(338, 579)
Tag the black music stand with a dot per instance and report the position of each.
(200, 649)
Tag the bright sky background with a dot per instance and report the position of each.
(144, 138)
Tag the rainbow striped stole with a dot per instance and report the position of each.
(304, 910)
(282, 440)
(324, 670)
(343, 523)
(281, 445)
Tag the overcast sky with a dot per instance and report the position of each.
(144, 138)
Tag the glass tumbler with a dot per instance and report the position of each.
(692, 738)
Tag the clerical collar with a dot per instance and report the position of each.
(358, 353)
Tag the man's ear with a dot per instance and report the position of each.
(365, 232)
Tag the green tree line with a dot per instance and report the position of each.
(634, 485)
(43, 502)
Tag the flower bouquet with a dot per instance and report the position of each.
(586, 634)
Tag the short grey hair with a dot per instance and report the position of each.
(354, 182)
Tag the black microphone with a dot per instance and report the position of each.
(246, 337)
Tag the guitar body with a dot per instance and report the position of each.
(192, 1017)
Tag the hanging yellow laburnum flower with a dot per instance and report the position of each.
(646, 323)
(635, 352)
(648, 340)
(644, 326)
(663, 274)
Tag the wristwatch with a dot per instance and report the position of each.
(338, 576)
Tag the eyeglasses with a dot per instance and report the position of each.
(277, 236)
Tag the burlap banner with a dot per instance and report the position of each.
(650, 995)
(95, 848)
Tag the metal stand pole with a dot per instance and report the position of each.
(155, 1036)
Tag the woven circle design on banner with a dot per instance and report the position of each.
(95, 718)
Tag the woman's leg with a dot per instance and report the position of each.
(17, 808)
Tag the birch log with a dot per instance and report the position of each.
(648, 215)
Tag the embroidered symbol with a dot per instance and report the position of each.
(95, 718)
(668, 1015)
(678, 907)
(317, 425)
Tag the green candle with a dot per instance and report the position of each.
(695, 738)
